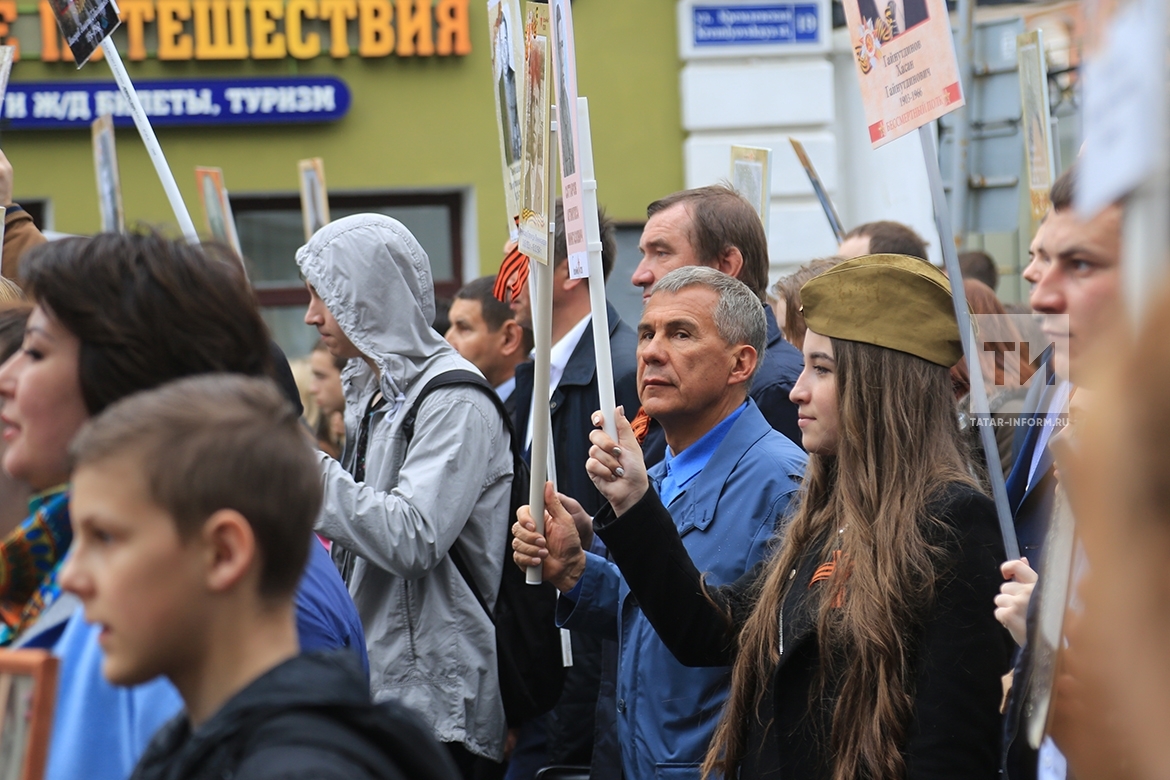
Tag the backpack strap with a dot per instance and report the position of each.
(460, 376)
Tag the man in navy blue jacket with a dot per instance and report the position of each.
(573, 397)
(1075, 272)
(716, 227)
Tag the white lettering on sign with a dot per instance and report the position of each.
(61, 105)
(158, 102)
(15, 105)
(281, 100)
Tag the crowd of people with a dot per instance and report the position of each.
(788, 563)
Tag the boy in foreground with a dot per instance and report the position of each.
(192, 506)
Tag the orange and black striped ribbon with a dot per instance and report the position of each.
(513, 274)
(825, 571)
(641, 424)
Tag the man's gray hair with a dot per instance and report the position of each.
(739, 315)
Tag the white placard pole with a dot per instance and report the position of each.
(980, 409)
(540, 299)
(597, 302)
(170, 186)
(540, 295)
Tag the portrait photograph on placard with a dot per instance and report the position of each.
(893, 17)
(28, 687)
(569, 133)
(507, 52)
(1038, 149)
(751, 177)
(906, 64)
(217, 208)
(109, 184)
(566, 105)
(534, 192)
(85, 24)
(314, 196)
(7, 56)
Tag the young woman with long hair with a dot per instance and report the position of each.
(865, 647)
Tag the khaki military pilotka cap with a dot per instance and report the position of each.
(892, 301)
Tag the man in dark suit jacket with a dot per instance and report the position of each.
(484, 331)
(1075, 272)
(716, 227)
(574, 398)
(1031, 484)
(901, 15)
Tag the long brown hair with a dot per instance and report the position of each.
(899, 444)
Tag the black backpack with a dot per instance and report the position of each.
(528, 642)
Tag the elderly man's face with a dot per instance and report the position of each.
(685, 368)
(1075, 270)
(665, 246)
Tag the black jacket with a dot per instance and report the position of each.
(309, 718)
(569, 727)
(771, 385)
(960, 651)
(574, 402)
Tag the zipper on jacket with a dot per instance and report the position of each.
(791, 574)
(781, 630)
(409, 618)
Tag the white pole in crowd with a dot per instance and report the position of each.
(540, 299)
(540, 294)
(980, 409)
(601, 352)
(153, 148)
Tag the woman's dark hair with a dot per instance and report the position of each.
(13, 319)
(147, 310)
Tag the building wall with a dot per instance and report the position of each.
(415, 123)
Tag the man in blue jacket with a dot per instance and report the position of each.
(727, 478)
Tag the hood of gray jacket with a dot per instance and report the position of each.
(375, 279)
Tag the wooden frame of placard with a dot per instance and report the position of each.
(41, 666)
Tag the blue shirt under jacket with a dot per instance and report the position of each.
(727, 516)
(101, 730)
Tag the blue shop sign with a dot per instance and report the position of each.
(46, 105)
(730, 25)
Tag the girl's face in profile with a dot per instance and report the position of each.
(815, 395)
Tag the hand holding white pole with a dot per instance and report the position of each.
(540, 296)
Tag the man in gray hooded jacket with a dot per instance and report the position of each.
(397, 510)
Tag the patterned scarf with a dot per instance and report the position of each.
(30, 559)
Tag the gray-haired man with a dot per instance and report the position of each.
(727, 479)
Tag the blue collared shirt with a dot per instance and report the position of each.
(684, 467)
(505, 389)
